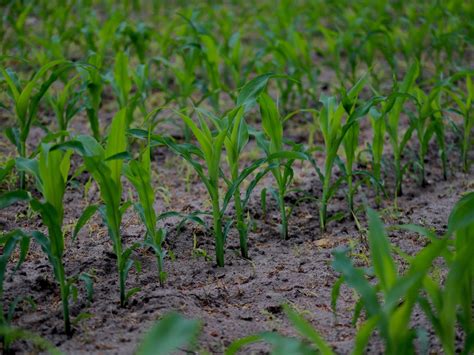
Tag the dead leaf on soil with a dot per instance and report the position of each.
(324, 243)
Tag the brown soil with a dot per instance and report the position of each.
(242, 298)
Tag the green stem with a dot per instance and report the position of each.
(22, 173)
(161, 276)
(324, 200)
(398, 176)
(323, 212)
(118, 252)
(350, 193)
(422, 172)
(121, 283)
(241, 227)
(465, 148)
(64, 294)
(219, 237)
(284, 218)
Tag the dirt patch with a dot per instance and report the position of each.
(242, 298)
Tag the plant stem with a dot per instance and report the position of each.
(118, 252)
(398, 176)
(160, 270)
(323, 211)
(121, 283)
(284, 219)
(324, 198)
(465, 148)
(64, 288)
(241, 227)
(219, 244)
(350, 193)
(22, 173)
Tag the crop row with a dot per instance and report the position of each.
(217, 137)
(403, 70)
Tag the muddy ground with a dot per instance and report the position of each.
(242, 298)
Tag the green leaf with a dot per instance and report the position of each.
(168, 335)
(14, 334)
(250, 92)
(462, 214)
(356, 279)
(307, 330)
(122, 78)
(384, 266)
(9, 198)
(88, 212)
(117, 143)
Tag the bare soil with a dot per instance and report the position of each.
(242, 298)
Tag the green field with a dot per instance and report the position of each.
(285, 177)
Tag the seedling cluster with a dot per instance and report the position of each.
(376, 86)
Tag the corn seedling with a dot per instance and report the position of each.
(235, 142)
(350, 140)
(26, 100)
(313, 343)
(377, 123)
(272, 143)
(122, 82)
(465, 101)
(210, 149)
(10, 242)
(393, 108)
(14, 334)
(334, 131)
(65, 104)
(171, 333)
(51, 171)
(427, 123)
(386, 313)
(451, 304)
(105, 165)
(138, 172)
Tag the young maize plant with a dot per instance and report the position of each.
(235, 142)
(313, 343)
(428, 122)
(230, 132)
(392, 111)
(377, 123)
(450, 306)
(105, 165)
(10, 242)
(334, 132)
(138, 36)
(212, 59)
(138, 172)
(65, 104)
(94, 84)
(210, 149)
(122, 83)
(92, 77)
(272, 143)
(26, 100)
(171, 333)
(381, 301)
(465, 102)
(350, 140)
(50, 171)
